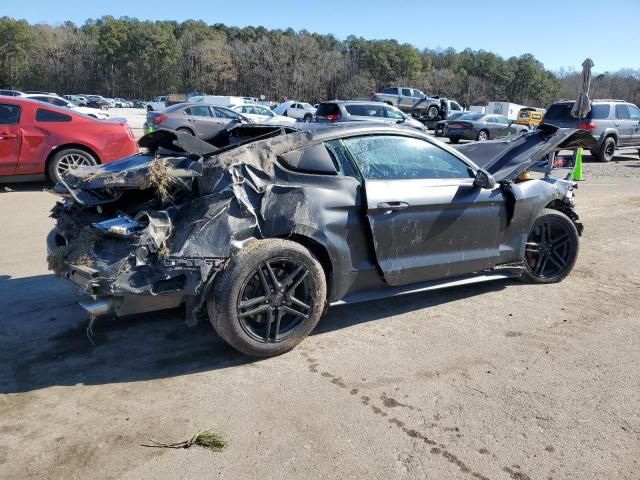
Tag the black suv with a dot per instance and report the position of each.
(613, 123)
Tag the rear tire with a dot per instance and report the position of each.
(483, 136)
(254, 310)
(552, 248)
(454, 140)
(69, 159)
(607, 150)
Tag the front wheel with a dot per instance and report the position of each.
(67, 160)
(432, 113)
(268, 298)
(552, 248)
(308, 118)
(483, 136)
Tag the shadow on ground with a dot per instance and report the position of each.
(45, 338)
(25, 187)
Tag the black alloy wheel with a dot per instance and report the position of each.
(551, 249)
(274, 300)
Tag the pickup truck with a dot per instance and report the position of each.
(164, 101)
(411, 101)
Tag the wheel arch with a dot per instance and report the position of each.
(319, 251)
(66, 146)
(568, 210)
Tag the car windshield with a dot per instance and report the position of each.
(307, 106)
(471, 116)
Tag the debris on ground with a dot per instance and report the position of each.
(208, 438)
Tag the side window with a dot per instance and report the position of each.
(373, 111)
(406, 92)
(340, 157)
(355, 109)
(199, 111)
(9, 114)
(59, 102)
(225, 113)
(634, 112)
(404, 158)
(418, 94)
(43, 115)
(504, 120)
(392, 113)
(455, 106)
(622, 112)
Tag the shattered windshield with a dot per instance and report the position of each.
(387, 157)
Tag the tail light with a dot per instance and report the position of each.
(158, 119)
(588, 126)
(332, 117)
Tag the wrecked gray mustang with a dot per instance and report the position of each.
(264, 227)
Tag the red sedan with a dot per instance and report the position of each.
(39, 139)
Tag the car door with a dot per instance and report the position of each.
(624, 124)
(634, 115)
(406, 100)
(428, 220)
(225, 116)
(505, 126)
(201, 121)
(10, 138)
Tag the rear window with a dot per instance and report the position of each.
(471, 116)
(562, 111)
(43, 115)
(9, 114)
(390, 91)
(325, 109)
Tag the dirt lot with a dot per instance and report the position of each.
(499, 381)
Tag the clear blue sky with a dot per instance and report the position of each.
(607, 31)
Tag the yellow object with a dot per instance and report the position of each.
(577, 170)
(529, 117)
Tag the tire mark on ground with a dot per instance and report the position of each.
(437, 449)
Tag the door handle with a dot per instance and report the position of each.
(389, 207)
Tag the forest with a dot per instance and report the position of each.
(131, 58)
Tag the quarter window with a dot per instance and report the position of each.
(387, 157)
(9, 114)
(43, 115)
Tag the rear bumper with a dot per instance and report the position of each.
(132, 287)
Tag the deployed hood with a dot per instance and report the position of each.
(507, 158)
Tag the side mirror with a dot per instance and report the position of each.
(484, 179)
(401, 120)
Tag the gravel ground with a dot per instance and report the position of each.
(494, 381)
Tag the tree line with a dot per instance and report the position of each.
(127, 57)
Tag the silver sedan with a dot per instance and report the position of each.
(203, 121)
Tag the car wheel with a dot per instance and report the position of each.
(69, 159)
(551, 250)
(454, 140)
(607, 150)
(308, 118)
(268, 298)
(483, 136)
(186, 130)
(432, 113)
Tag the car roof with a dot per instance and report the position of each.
(355, 102)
